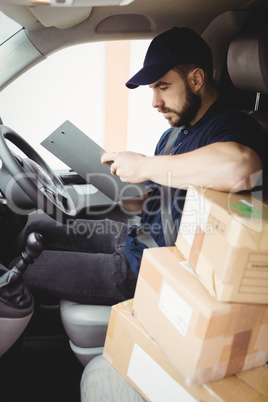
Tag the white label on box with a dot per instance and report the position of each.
(176, 310)
(153, 381)
(196, 211)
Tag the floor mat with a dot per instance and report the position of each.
(41, 369)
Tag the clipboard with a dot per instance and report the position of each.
(83, 155)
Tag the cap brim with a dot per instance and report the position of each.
(148, 75)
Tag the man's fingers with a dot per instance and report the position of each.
(113, 169)
(108, 157)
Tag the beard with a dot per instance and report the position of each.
(188, 111)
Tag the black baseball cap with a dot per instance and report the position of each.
(178, 45)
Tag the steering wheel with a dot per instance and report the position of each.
(34, 177)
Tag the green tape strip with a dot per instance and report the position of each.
(247, 210)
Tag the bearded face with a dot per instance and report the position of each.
(185, 111)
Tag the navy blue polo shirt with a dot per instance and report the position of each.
(217, 125)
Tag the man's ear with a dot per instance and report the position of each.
(196, 79)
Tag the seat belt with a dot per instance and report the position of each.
(166, 215)
(143, 234)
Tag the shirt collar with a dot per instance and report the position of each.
(209, 113)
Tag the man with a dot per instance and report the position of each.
(215, 147)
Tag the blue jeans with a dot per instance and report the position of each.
(84, 262)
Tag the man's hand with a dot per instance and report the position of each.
(223, 166)
(129, 166)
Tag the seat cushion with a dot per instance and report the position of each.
(101, 382)
(85, 325)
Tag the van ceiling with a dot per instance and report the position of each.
(139, 15)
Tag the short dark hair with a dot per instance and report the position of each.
(184, 68)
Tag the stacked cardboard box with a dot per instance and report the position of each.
(204, 339)
(144, 364)
(200, 310)
(224, 237)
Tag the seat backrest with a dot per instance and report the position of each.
(247, 61)
(247, 64)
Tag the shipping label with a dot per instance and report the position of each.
(175, 309)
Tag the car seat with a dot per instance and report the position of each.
(247, 63)
(102, 382)
(86, 327)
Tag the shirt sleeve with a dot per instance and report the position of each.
(238, 127)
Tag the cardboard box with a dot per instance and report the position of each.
(224, 237)
(205, 339)
(136, 356)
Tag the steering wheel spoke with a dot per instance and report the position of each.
(36, 179)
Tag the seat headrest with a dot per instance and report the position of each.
(247, 61)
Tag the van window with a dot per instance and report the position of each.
(8, 28)
(86, 85)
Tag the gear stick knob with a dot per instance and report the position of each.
(34, 247)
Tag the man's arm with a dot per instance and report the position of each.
(223, 166)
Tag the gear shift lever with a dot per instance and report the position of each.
(34, 247)
(8, 292)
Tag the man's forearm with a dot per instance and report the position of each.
(222, 166)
